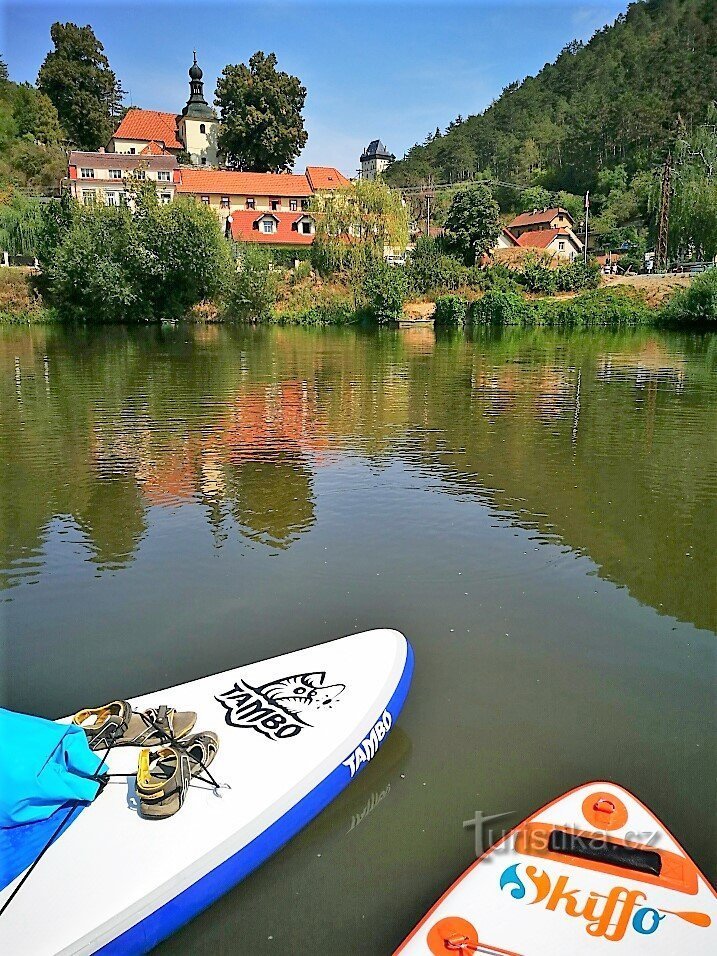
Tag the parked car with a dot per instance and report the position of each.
(690, 268)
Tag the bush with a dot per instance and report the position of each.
(252, 291)
(496, 306)
(697, 303)
(110, 263)
(577, 276)
(450, 310)
(603, 307)
(385, 289)
(535, 275)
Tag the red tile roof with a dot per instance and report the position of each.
(243, 222)
(509, 235)
(228, 183)
(153, 149)
(150, 125)
(325, 177)
(541, 238)
(538, 216)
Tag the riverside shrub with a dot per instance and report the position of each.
(697, 303)
(112, 263)
(251, 292)
(450, 310)
(385, 289)
(502, 308)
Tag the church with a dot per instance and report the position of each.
(192, 133)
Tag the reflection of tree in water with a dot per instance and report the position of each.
(113, 521)
(271, 499)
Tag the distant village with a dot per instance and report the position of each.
(178, 152)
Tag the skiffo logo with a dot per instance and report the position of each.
(282, 708)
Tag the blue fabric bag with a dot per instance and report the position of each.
(43, 766)
(47, 775)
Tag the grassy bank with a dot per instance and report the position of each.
(19, 303)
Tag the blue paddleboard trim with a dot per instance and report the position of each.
(166, 920)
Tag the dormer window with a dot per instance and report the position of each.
(268, 226)
(306, 227)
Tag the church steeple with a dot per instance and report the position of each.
(196, 104)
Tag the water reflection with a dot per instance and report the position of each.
(603, 441)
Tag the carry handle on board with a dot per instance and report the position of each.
(603, 851)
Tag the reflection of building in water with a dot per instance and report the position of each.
(652, 363)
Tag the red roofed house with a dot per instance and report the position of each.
(546, 230)
(101, 177)
(193, 131)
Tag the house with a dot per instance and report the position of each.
(374, 159)
(102, 177)
(554, 217)
(193, 131)
(262, 207)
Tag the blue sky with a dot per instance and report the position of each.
(391, 69)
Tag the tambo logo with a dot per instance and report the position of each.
(281, 708)
(370, 744)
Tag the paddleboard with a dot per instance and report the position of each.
(114, 882)
(590, 870)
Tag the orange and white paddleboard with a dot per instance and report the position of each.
(594, 871)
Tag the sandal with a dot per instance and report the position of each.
(117, 725)
(163, 778)
(201, 750)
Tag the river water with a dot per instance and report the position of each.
(536, 511)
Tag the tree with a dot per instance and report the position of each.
(693, 209)
(77, 78)
(262, 128)
(355, 225)
(473, 223)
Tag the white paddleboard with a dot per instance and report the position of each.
(592, 872)
(117, 883)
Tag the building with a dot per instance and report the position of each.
(102, 177)
(262, 207)
(194, 131)
(560, 241)
(554, 217)
(374, 159)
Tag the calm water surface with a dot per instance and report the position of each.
(536, 511)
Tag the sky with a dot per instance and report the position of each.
(390, 69)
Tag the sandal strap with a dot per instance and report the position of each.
(156, 790)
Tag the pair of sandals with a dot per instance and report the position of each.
(169, 757)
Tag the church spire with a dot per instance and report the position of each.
(196, 104)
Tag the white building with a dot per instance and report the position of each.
(194, 130)
(374, 159)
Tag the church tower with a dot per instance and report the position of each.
(198, 125)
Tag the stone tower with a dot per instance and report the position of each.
(198, 125)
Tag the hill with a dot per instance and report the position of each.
(613, 103)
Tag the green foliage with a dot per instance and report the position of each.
(450, 310)
(693, 210)
(472, 223)
(500, 308)
(356, 225)
(539, 275)
(20, 225)
(608, 103)
(107, 263)
(429, 267)
(385, 289)
(77, 78)
(252, 290)
(260, 108)
(695, 304)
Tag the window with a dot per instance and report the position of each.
(111, 198)
(274, 204)
(293, 205)
(267, 225)
(164, 176)
(561, 246)
(304, 203)
(205, 200)
(140, 174)
(115, 174)
(87, 173)
(306, 228)
(224, 202)
(251, 204)
(132, 150)
(202, 128)
(204, 160)
(165, 198)
(88, 197)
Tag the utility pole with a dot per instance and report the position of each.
(587, 216)
(663, 224)
(428, 215)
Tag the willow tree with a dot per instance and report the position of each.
(358, 225)
(693, 209)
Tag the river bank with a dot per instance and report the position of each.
(304, 298)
